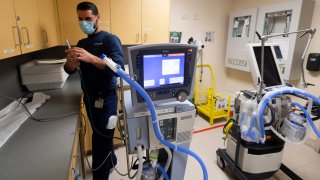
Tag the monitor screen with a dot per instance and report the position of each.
(165, 71)
(271, 75)
(161, 70)
(278, 52)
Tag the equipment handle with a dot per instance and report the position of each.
(259, 36)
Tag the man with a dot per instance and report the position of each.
(98, 83)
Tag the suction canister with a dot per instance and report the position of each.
(293, 127)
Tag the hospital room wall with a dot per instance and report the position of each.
(194, 18)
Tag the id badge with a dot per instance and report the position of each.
(98, 103)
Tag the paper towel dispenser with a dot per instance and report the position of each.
(313, 63)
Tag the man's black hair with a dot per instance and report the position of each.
(88, 6)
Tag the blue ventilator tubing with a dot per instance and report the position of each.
(251, 132)
(163, 171)
(153, 113)
(287, 90)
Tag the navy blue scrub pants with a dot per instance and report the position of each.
(102, 145)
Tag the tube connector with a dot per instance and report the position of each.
(109, 62)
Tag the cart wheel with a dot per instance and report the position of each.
(221, 162)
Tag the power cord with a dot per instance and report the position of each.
(84, 134)
(131, 166)
(95, 169)
(20, 101)
(87, 159)
(48, 119)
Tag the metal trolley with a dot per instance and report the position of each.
(208, 102)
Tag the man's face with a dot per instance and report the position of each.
(86, 15)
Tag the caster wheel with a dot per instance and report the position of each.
(221, 163)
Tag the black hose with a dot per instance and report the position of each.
(315, 111)
(273, 116)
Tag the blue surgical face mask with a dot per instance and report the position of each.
(87, 27)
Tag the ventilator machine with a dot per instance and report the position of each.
(267, 117)
(159, 118)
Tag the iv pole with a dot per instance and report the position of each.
(264, 38)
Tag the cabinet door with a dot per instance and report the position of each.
(9, 38)
(104, 11)
(28, 22)
(126, 20)
(73, 171)
(49, 24)
(155, 21)
(88, 129)
(68, 18)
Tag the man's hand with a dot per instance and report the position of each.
(81, 54)
(72, 60)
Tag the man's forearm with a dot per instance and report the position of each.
(97, 62)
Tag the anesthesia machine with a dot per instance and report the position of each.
(158, 117)
(267, 118)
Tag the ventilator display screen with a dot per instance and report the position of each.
(163, 70)
(271, 75)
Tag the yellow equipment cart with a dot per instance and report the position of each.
(208, 102)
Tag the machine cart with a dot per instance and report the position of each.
(223, 159)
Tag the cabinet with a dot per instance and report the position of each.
(140, 21)
(241, 31)
(20, 30)
(155, 21)
(86, 132)
(126, 20)
(85, 135)
(74, 169)
(28, 23)
(49, 23)
(68, 19)
(9, 31)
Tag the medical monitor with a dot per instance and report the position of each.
(272, 58)
(165, 71)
